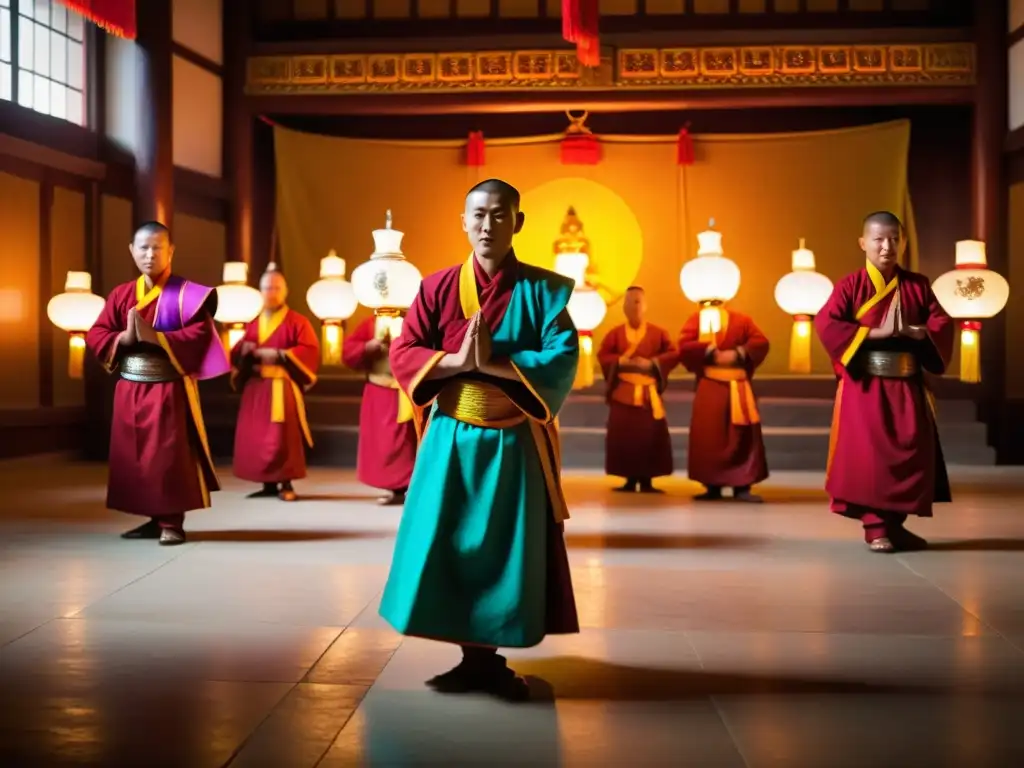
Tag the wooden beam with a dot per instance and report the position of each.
(154, 155)
(192, 57)
(45, 331)
(604, 101)
(30, 160)
(238, 132)
(1015, 37)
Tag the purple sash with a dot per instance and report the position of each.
(178, 304)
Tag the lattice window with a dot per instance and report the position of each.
(42, 58)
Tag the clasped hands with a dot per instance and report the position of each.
(475, 352)
(636, 364)
(894, 325)
(259, 354)
(137, 330)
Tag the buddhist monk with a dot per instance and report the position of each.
(636, 358)
(387, 435)
(884, 329)
(489, 349)
(726, 448)
(272, 366)
(157, 333)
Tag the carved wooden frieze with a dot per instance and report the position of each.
(629, 68)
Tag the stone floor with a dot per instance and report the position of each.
(719, 635)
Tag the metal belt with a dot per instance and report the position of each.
(890, 365)
(478, 403)
(147, 368)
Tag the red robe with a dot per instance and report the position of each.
(725, 447)
(637, 444)
(160, 463)
(884, 453)
(269, 445)
(387, 432)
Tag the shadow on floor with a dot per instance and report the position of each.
(250, 535)
(575, 677)
(977, 545)
(660, 541)
(338, 497)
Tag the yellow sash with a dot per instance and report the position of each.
(742, 405)
(268, 325)
(882, 289)
(278, 375)
(640, 382)
(545, 434)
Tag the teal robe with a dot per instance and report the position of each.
(479, 557)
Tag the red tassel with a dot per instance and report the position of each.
(475, 149)
(580, 26)
(684, 147)
(117, 17)
(580, 149)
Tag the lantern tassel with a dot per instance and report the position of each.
(710, 323)
(475, 149)
(76, 356)
(970, 352)
(332, 336)
(580, 26)
(585, 368)
(800, 345)
(684, 146)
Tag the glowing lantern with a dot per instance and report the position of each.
(971, 293)
(802, 293)
(388, 282)
(586, 308)
(710, 280)
(75, 311)
(237, 302)
(332, 299)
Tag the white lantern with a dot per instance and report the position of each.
(388, 282)
(237, 302)
(332, 300)
(586, 308)
(75, 311)
(710, 280)
(971, 293)
(801, 294)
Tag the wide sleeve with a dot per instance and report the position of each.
(353, 353)
(302, 358)
(102, 337)
(413, 354)
(608, 355)
(548, 373)
(693, 353)
(241, 365)
(192, 347)
(938, 346)
(665, 359)
(840, 332)
(755, 348)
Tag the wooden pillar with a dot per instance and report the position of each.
(238, 134)
(989, 192)
(154, 153)
(264, 189)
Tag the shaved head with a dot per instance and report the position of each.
(882, 218)
(502, 189)
(492, 218)
(882, 241)
(274, 289)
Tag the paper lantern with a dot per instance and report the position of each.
(237, 302)
(971, 293)
(801, 294)
(710, 280)
(333, 300)
(388, 282)
(586, 308)
(75, 311)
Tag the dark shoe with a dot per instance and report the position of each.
(171, 537)
(393, 499)
(647, 487)
(711, 494)
(268, 491)
(458, 679)
(148, 530)
(628, 487)
(747, 497)
(492, 677)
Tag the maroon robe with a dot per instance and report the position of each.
(437, 316)
(269, 447)
(726, 448)
(160, 463)
(387, 445)
(884, 453)
(637, 443)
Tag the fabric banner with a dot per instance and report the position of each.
(115, 16)
(641, 210)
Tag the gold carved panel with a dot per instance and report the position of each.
(761, 66)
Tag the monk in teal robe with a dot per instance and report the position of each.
(487, 355)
